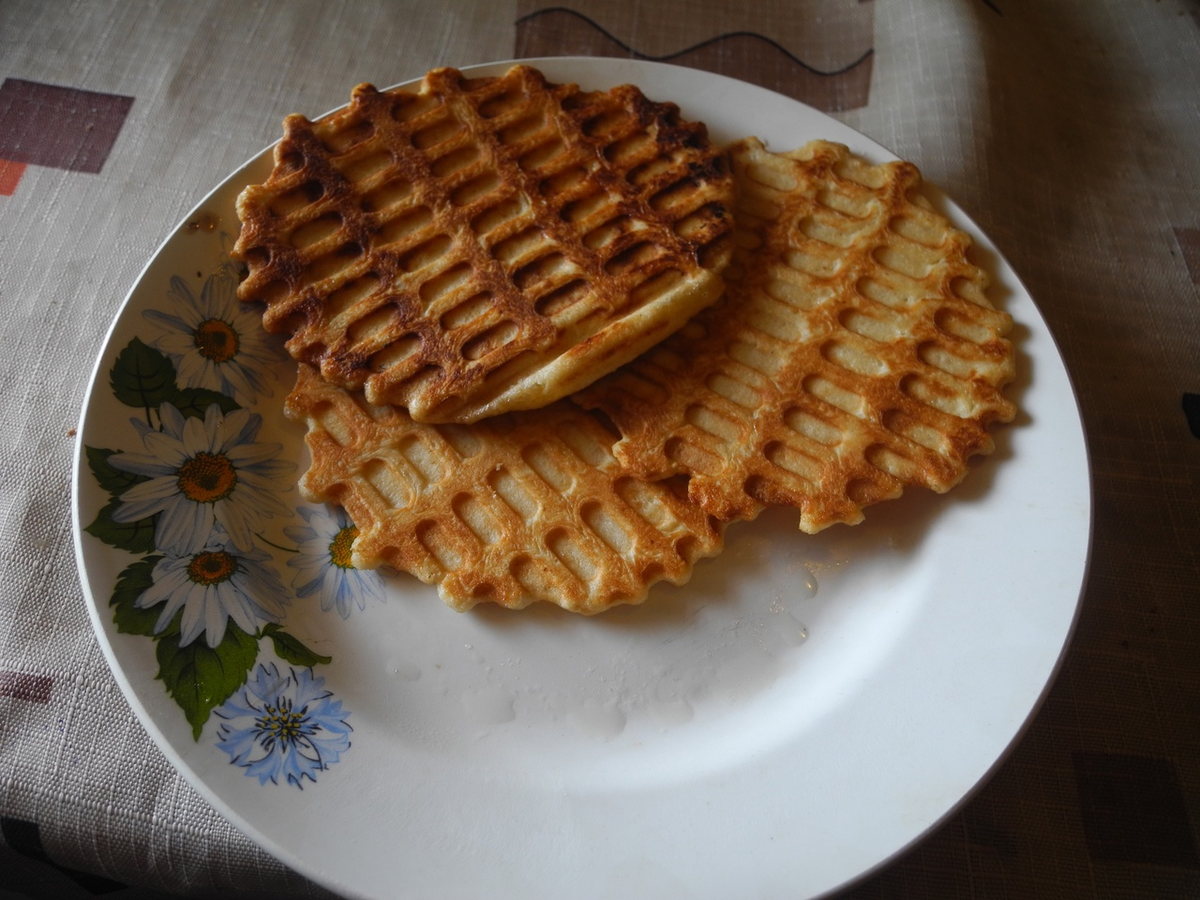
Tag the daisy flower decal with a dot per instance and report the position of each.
(323, 564)
(186, 491)
(214, 341)
(212, 586)
(201, 471)
(283, 726)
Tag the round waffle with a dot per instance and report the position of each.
(854, 352)
(518, 508)
(475, 246)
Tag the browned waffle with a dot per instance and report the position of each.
(853, 354)
(524, 507)
(488, 244)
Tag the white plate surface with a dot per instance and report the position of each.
(799, 713)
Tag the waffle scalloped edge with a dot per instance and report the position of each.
(516, 509)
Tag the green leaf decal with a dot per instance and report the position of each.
(200, 678)
(132, 583)
(111, 479)
(289, 648)
(196, 401)
(142, 377)
(136, 537)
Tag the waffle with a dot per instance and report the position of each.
(853, 354)
(523, 507)
(483, 245)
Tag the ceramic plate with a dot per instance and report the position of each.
(798, 714)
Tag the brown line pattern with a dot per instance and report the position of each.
(668, 57)
(746, 56)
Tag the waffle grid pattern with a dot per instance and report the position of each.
(511, 510)
(487, 244)
(855, 352)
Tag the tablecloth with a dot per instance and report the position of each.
(1068, 130)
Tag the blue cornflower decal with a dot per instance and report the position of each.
(283, 726)
(323, 563)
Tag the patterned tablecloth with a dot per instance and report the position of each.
(1067, 129)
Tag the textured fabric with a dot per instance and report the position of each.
(1068, 131)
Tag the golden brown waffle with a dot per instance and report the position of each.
(853, 354)
(488, 244)
(529, 506)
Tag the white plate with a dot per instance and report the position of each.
(801, 712)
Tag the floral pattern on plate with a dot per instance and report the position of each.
(283, 725)
(323, 564)
(190, 495)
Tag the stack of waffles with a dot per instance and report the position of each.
(551, 343)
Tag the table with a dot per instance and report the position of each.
(1068, 130)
